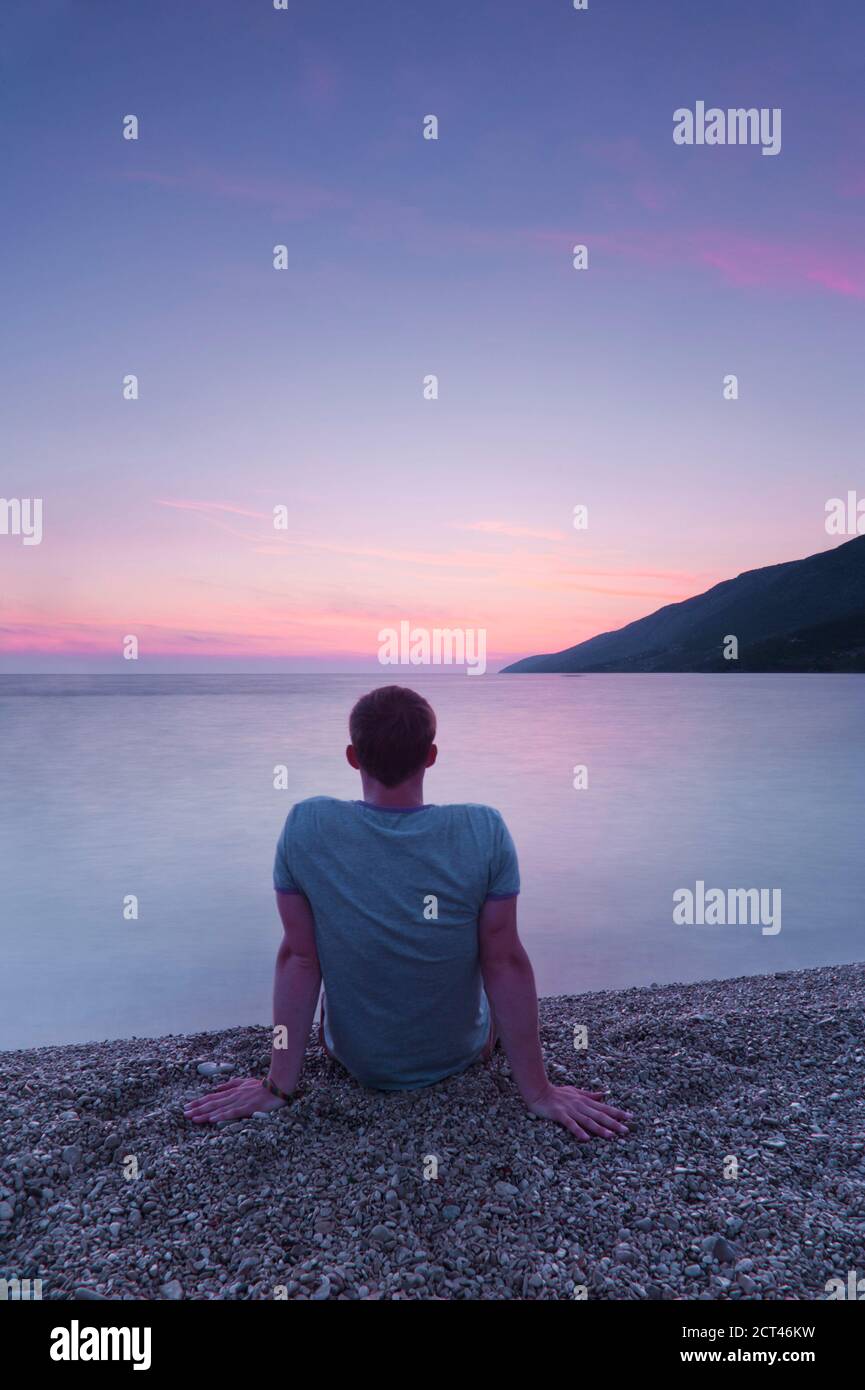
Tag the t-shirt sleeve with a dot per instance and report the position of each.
(283, 878)
(504, 867)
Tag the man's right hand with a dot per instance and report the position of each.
(584, 1113)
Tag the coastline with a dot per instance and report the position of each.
(328, 1198)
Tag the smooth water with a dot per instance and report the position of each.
(162, 787)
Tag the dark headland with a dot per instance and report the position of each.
(806, 615)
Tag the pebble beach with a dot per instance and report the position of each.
(743, 1177)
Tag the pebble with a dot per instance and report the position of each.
(720, 1249)
(207, 1068)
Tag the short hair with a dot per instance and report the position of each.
(392, 729)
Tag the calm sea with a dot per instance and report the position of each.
(162, 788)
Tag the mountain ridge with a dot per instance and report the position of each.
(806, 615)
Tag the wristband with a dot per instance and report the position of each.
(275, 1091)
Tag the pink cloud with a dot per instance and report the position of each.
(818, 263)
(505, 528)
(748, 261)
(745, 262)
(637, 572)
(183, 506)
(839, 284)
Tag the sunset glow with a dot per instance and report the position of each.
(303, 389)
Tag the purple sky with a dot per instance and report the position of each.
(303, 388)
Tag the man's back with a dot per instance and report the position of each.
(397, 907)
(395, 895)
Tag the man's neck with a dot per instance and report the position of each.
(406, 796)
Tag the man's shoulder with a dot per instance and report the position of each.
(476, 812)
(313, 809)
(320, 801)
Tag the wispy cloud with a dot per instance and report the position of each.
(507, 528)
(815, 263)
(293, 200)
(749, 262)
(190, 506)
(780, 264)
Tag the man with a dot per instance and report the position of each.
(408, 912)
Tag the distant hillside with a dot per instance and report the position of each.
(805, 615)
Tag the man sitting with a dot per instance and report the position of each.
(408, 913)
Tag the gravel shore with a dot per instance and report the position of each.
(334, 1197)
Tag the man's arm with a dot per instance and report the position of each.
(296, 983)
(509, 982)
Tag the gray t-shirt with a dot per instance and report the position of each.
(395, 895)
